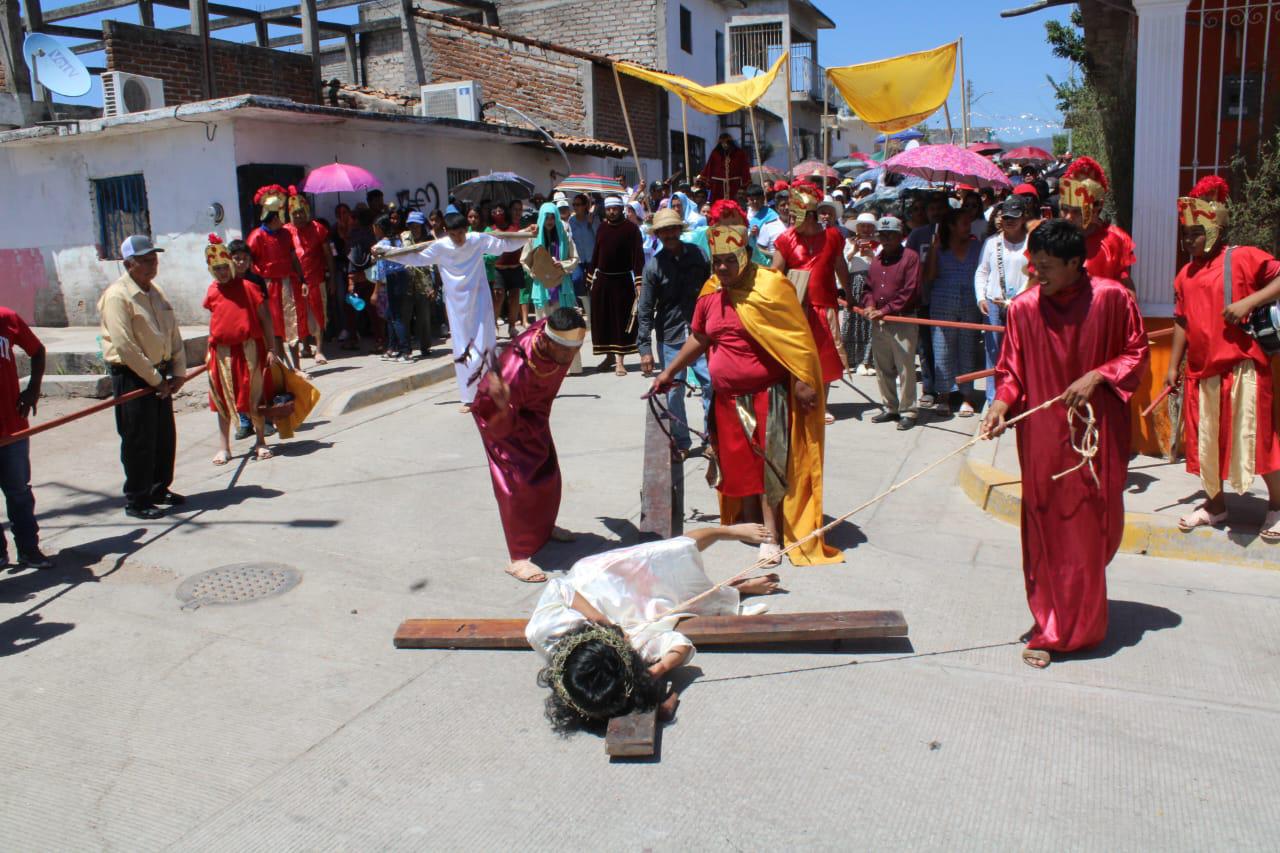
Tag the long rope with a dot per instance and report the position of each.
(1087, 448)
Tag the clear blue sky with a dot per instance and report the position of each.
(1007, 59)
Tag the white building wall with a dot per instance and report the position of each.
(708, 18)
(49, 267)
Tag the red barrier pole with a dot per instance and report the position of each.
(96, 407)
(945, 324)
(1168, 389)
(980, 374)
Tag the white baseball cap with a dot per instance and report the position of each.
(137, 246)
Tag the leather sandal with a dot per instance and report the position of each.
(1271, 526)
(1201, 517)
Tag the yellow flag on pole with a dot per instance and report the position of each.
(712, 100)
(898, 93)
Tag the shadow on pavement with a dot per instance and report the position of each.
(846, 535)
(300, 448)
(854, 411)
(1127, 623)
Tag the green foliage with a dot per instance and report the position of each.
(1060, 144)
(1066, 41)
(1255, 208)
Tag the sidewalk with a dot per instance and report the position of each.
(1157, 494)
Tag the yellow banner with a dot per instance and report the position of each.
(898, 93)
(713, 100)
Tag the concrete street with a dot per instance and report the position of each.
(291, 723)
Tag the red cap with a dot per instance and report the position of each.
(1026, 189)
(779, 186)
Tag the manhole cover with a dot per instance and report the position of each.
(237, 583)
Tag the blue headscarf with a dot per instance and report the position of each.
(550, 211)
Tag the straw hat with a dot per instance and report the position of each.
(666, 218)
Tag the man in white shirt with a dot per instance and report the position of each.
(1002, 274)
(764, 223)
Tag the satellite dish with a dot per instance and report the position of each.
(750, 71)
(54, 66)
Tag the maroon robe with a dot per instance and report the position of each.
(517, 440)
(614, 273)
(725, 176)
(1071, 528)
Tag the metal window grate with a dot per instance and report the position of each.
(122, 210)
(749, 45)
(453, 177)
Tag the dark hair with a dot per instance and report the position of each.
(383, 224)
(372, 194)
(342, 205)
(563, 319)
(597, 679)
(454, 221)
(755, 190)
(363, 217)
(1059, 239)
(949, 222)
(239, 247)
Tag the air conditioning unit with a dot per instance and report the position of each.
(459, 100)
(124, 93)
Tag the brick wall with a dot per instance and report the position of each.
(237, 68)
(548, 87)
(620, 30)
(642, 108)
(385, 62)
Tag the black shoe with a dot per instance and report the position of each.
(33, 559)
(146, 512)
(243, 432)
(906, 423)
(169, 498)
(884, 417)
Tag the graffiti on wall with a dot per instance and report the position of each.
(425, 198)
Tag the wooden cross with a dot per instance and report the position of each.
(636, 735)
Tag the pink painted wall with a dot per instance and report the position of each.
(22, 276)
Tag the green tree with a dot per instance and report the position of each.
(1255, 210)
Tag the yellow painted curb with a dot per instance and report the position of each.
(999, 494)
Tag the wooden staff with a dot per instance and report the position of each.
(1159, 333)
(684, 122)
(977, 374)
(96, 407)
(790, 127)
(626, 117)
(1158, 400)
(755, 141)
(944, 324)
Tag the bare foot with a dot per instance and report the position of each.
(524, 570)
(1037, 658)
(222, 457)
(261, 451)
(559, 534)
(752, 534)
(465, 408)
(320, 359)
(667, 707)
(759, 585)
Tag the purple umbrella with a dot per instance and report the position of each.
(947, 164)
(339, 178)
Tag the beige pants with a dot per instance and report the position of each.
(893, 347)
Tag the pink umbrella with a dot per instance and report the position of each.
(810, 168)
(947, 164)
(986, 149)
(1027, 154)
(339, 178)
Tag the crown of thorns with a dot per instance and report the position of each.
(567, 647)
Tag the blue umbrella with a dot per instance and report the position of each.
(871, 175)
(902, 135)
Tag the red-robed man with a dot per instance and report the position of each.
(1230, 434)
(274, 260)
(311, 245)
(1108, 247)
(1083, 335)
(727, 171)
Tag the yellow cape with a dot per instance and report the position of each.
(770, 312)
(305, 397)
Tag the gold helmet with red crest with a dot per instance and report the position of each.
(271, 199)
(729, 240)
(298, 203)
(1206, 205)
(1084, 186)
(216, 254)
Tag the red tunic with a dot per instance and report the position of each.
(273, 260)
(1109, 253)
(1214, 348)
(739, 367)
(818, 254)
(1071, 528)
(311, 245)
(239, 378)
(14, 331)
(725, 176)
(522, 455)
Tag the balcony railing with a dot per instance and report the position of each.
(807, 76)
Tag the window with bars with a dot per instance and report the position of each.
(686, 30)
(121, 204)
(453, 177)
(749, 45)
